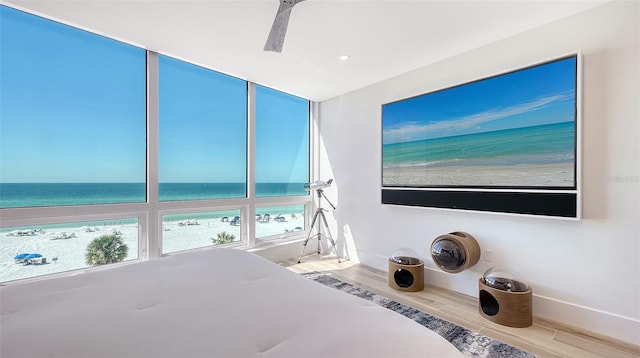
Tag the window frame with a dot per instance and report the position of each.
(149, 214)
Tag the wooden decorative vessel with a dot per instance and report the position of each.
(406, 275)
(513, 309)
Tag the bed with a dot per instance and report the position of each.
(210, 303)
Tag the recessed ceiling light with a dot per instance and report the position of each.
(343, 57)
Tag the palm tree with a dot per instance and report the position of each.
(106, 249)
(223, 238)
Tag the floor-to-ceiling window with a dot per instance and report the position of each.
(202, 125)
(91, 173)
(72, 132)
(281, 159)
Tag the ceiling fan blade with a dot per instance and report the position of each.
(275, 41)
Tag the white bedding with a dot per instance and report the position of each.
(211, 303)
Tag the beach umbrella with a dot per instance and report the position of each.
(21, 256)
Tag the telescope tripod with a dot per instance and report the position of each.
(319, 216)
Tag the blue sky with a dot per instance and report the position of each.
(282, 139)
(538, 95)
(73, 109)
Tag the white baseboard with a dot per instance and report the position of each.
(605, 323)
(584, 318)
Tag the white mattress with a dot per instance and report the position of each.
(211, 303)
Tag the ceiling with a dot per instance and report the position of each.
(382, 38)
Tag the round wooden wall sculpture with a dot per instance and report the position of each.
(455, 252)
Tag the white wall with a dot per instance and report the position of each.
(584, 273)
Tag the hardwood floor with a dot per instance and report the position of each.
(544, 338)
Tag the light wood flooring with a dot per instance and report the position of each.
(545, 338)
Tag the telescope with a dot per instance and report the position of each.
(318, 185)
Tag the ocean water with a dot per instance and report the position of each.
(15, 195)
(552, 143)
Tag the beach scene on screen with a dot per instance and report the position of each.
(516, 130)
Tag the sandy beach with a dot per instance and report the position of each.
(66, 252)
(535, 175)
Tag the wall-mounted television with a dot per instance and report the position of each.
(507, 143)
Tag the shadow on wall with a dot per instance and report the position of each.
(595, 103)
(603, 121)
(336, 219)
